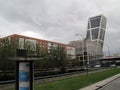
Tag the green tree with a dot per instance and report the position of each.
(57, 57)
(52, 58)
(7, 49)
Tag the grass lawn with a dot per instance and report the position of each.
(76, 83)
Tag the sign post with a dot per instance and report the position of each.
(24, 70)
(24, 75)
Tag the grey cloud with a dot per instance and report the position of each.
(59, 20)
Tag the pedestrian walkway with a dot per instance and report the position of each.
(102, 83)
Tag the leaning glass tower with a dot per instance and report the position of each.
(96, 29)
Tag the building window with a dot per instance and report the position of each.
(95, 33)
(31, 44)
(88, 34)
(21, 43)
(88, 26)
(103, 23)
(102, 34)
(95, 21)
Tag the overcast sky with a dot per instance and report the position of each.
(59, 20)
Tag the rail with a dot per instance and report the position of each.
(52, 76)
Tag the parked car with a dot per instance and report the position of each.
(112, 65)
(97, 66)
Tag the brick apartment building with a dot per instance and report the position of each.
(43, 44)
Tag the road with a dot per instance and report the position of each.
(114, 85)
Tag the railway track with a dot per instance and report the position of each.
(43, 77)
(10, 84)
(53, 76)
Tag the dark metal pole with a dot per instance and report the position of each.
(31, 75)
(17, 76)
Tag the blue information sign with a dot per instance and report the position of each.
(24, 88)
(23, 76)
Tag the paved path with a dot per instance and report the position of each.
(103, 83)
(115, 85)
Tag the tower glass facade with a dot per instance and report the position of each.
(96, 29)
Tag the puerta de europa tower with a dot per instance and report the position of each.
(96, 29)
